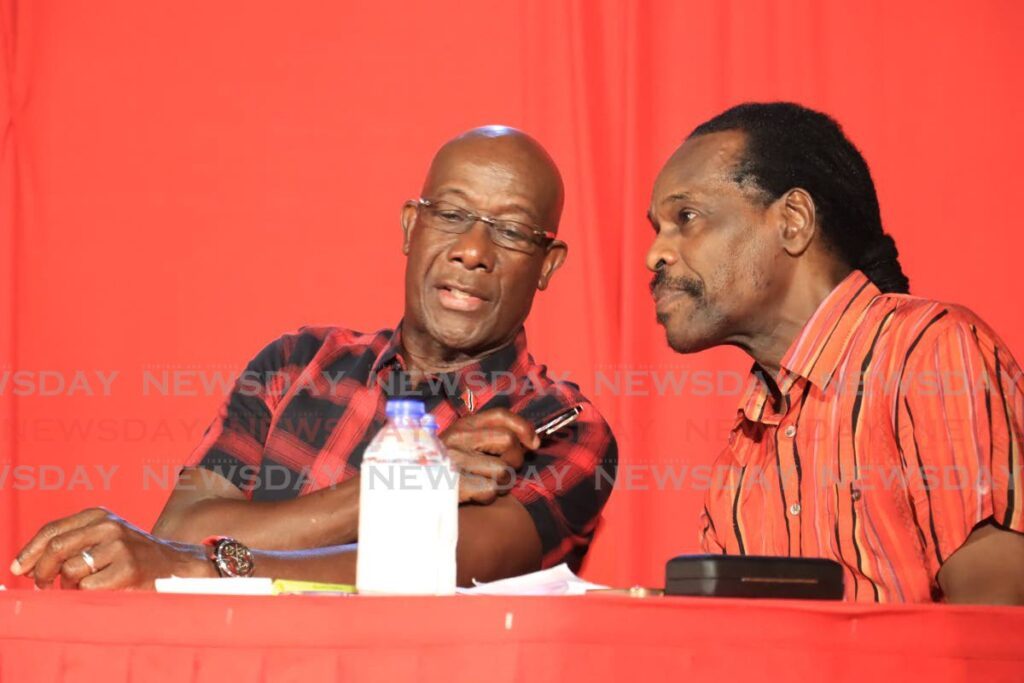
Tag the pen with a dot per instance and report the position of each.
(560, 420)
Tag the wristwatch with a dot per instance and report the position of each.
(230, 557)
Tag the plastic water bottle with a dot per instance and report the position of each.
(408, 509)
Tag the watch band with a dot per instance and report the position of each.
(230, 557)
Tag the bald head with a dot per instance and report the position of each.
(498, 160)
(469, 285)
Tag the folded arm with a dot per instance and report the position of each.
(204, 504)
(487, 448)
(495, 541)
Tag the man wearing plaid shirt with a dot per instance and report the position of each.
(278, 468)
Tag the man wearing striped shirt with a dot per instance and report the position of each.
(880, 430)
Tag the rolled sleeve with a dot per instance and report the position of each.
(565, 484)
(960, 422)
(232, 446)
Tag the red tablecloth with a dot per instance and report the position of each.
(70, 636)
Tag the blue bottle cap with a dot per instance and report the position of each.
(405, 408)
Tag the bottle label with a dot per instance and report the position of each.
(408, 528)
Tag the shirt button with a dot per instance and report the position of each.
(790, 432)
(794, 509)
(855, 494)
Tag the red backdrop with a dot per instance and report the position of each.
(182, 182)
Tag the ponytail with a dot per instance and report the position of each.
(880, 262)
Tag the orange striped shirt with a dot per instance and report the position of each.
(897, 427)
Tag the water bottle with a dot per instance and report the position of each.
(408, 509)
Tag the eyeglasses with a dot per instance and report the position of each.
(513, 235)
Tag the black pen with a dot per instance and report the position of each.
(560, 420)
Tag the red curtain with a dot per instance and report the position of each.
(182, 182)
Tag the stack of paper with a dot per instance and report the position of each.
(222, 586)
(555, 581)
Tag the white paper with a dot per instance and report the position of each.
(222, 586)
(554, 581)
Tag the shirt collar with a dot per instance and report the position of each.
(815, 353)
(473, 385)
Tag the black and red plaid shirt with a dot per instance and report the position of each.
(306, 407)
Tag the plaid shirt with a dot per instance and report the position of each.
(306, 407)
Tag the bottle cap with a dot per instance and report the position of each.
(405, 408)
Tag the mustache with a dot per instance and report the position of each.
(691, 286)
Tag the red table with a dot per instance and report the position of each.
(71, 636)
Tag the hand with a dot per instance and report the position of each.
(487, 448)
(124, 556)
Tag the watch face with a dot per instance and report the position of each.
(234, 559)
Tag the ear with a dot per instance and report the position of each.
(799, 220)
(409, 211)
(553, 260)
